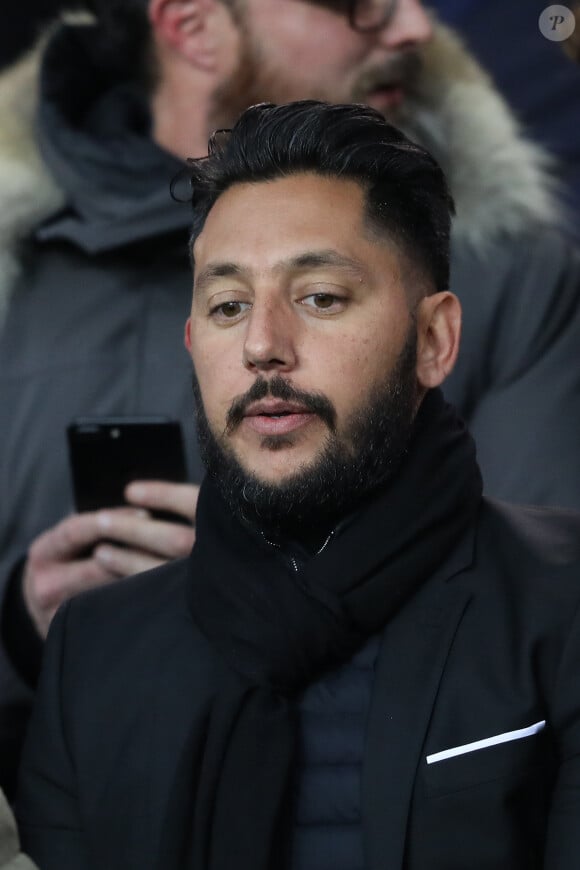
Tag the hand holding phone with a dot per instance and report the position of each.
(122, 527)
(95, 548)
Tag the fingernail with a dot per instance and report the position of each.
(104, 520)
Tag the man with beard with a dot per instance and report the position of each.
(94, 261)
(363, 663)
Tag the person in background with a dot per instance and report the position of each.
(94, 269)
(363, 663)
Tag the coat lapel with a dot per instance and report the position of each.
(409, 669)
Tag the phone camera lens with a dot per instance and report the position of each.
(115, 433)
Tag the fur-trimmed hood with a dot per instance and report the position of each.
(499, 179)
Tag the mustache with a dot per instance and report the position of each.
(403, 68)
(278, 388)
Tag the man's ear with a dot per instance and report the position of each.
(438, 334)
(187, 336)
(188, 28)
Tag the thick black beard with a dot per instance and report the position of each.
(348, 469)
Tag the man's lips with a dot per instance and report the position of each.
(277, 417)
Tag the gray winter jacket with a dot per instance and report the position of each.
(96, 285)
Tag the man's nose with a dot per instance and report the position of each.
(269, 342)
(410, 26)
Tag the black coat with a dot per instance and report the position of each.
(489, 646)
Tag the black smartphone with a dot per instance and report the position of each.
(107, 453)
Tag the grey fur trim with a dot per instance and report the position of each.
(501, 180)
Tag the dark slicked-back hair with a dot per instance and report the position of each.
(407, 198)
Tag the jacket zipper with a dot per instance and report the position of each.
(292, 560)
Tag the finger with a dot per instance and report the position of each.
(160, 539)
(72, 536)
(179, 498)
(57, 583)
(125, 562)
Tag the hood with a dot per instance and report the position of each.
(500, 181)
(95, 139)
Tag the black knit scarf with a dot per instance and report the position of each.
(277, 631)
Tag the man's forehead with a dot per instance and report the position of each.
(300, 201)
(297, 222)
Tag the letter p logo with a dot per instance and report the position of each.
(557, 23)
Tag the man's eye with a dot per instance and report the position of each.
(228, 310)
(322, 301)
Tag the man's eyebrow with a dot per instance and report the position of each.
(307, 260)
(321, 259)
(217, 270)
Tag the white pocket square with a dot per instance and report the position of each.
(487, 741)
